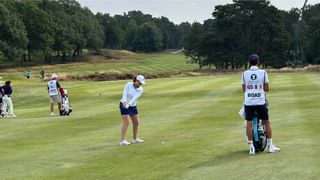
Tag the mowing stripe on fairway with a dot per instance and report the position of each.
(196, 119)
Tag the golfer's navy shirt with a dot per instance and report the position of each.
(7, 90)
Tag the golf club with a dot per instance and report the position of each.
(105, 98)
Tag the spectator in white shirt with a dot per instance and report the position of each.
(128, 108)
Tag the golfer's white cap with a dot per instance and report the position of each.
(141, 79)
(54, 76)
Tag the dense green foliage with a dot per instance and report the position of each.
(61, 29)
(246, 27)
(196, 119)
(136, 31)
(47, 27)
(13, 36)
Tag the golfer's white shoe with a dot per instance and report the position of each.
(5, 114)
(13, 115)
(124, 142)
(52, 114)
(273, 149)
(252, 150)
(137, 140)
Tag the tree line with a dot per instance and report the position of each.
(236, 30)
(136, 31)
(63, 28)
(45, 28)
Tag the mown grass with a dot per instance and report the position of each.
(196, 118)
(122, 62)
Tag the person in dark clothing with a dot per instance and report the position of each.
(6, 99)
(1, 99)
(42, 74)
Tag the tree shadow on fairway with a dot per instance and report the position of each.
(222, 159)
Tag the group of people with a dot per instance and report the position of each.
(5, 100)
(128, 104)
(255, 84)
(28, 74)
(6, 106)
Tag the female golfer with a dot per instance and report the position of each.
(128, 108)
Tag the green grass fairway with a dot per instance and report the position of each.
(123, 62)
(196, 118)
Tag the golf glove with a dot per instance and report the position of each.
(125, 105)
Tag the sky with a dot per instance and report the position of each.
(176, 11)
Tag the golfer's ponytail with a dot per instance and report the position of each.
(134, 78)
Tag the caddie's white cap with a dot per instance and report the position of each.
(54, 76)
(141, 79)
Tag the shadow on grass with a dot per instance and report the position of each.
(101, 147)
(223, 159)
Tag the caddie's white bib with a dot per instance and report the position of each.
(254, 80)
(53, 89)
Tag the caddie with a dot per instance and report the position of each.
(53, 90)
(255, 84)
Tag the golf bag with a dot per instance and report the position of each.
(258, 132)
(66, 108)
